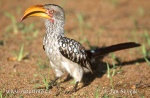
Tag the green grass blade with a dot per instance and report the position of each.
(147, 61)
(97, 93)
(1, 96)
(20, 56)
(108, 71)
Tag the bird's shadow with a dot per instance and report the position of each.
(100, 68)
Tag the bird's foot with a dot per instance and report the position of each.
(53, 83)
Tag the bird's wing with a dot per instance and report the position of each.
(74, 51)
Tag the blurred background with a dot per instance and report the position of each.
(94, 23)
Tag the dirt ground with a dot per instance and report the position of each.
(91, 22)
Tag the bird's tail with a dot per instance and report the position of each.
(105, 50)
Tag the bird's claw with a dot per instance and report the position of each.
(52, 83)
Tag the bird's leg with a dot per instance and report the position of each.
(53, 83)
(74, 89)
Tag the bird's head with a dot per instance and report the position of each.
(50, 12)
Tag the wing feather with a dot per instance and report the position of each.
(74, 51)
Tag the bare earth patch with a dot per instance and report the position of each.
(93, 23)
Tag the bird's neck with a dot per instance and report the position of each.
(55, 28)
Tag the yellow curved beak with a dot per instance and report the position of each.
(37, 10)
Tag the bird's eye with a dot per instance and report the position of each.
(51, 12)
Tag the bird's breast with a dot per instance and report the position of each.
(52, 48)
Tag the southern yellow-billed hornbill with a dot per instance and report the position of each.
(65, 54)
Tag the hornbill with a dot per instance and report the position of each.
(65, 54)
